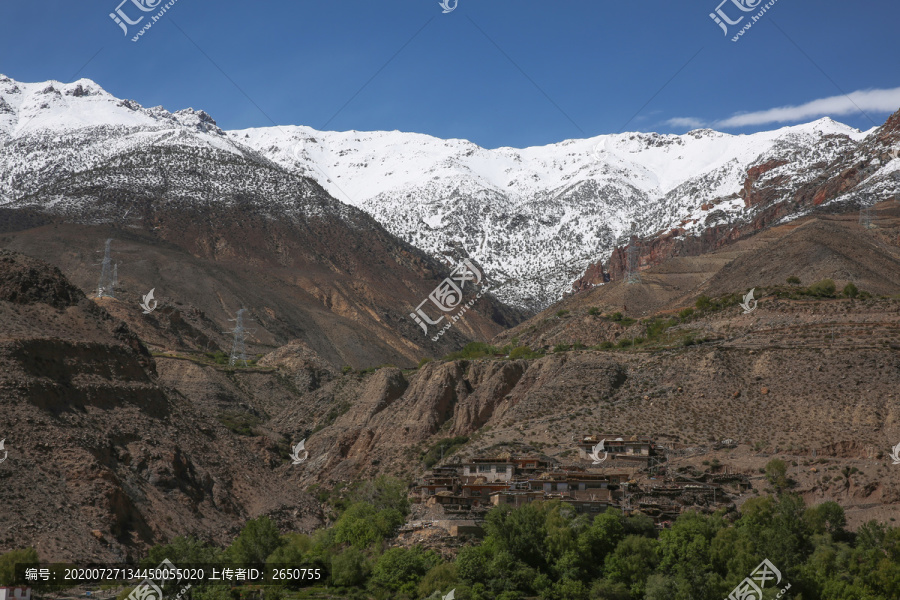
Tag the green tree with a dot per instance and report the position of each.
(362, 525)
(400, 570)
(776, 474)
(827, 517)
(520, 532)
(349, 568)
(258, 539)
(384, 492)
(850, 290)
(685, 552)
(472, 562)
(293, 550)
(824, 288)
(660, 587)
(600, 539)
(442, 577)
(182, 550)
(8, 562)
(632, 563)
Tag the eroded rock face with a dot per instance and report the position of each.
(119, 460)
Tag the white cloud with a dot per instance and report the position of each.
(690, 122)
(876, 101)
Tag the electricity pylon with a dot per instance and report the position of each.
(239, 346)
(108, 275)
(632, 261)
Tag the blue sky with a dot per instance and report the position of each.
(497, 72)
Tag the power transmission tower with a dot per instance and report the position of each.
(108, 275)
(632, 261)
(865, 216)
(239, 346)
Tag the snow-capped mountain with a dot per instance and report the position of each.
(533, 218)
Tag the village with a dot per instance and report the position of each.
(630, 474)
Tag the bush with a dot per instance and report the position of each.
(400, 570)
(793, 280)
(433, 454)
(616, 316)
(593, 311)
(258, 539)
(349, 568)
(824, 288)
(686, 313)
(472, 351)
(424, 361)
(703, 303)
(523, 352)
(562, 313)
(8, 563)
(561, 347)
(850, 290)
(346, 369)
(362, 525)
(606, 345)
(239, 422)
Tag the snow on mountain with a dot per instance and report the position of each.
(534, 218)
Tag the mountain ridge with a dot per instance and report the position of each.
(536, 219)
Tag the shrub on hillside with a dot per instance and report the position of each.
(824, 288)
